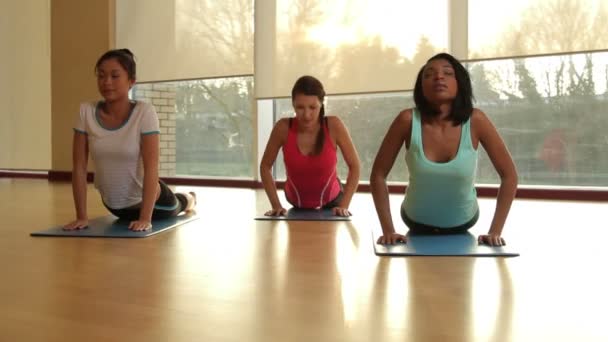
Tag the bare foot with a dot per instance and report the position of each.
(191, 196)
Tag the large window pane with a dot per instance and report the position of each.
(525, 27)
(352, 45)
(206, 126)
(551, 112)
(187, 39)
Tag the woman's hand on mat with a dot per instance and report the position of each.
(339, 211)
(391, 239)
(140, 225)
(491, 240)
(276, 212)
(77, 224)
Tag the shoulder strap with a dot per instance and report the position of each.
(416, 128)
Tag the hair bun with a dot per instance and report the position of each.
(126, 52)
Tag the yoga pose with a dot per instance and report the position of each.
(123, 139)
(309, 142)
(441, 136)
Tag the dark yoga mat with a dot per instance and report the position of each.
(441, 245)
(111, 227)
(306, 215)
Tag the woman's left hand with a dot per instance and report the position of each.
(339, 211)
(140, 225)
(491, 240)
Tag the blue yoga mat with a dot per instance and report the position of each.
(111, 227)
(295, 214)
(441, 245)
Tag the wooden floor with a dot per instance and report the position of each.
(227, 277)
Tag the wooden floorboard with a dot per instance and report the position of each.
(227, 277)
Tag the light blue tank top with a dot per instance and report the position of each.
(441, 194)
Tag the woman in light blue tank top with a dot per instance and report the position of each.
(442, 136)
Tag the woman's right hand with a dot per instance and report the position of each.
(391, 239)
(76, 224)
(276, 212)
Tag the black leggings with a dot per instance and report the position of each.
(336, 201)
(423, 229)
(167, 205)
(331, 204)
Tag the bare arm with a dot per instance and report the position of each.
(349, 153)
(275, 142)
(385, 159)
(505, 167)
(80, 156)
(150, 157)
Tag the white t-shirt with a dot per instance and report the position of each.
(116, 152)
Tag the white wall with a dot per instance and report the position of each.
(25, 84)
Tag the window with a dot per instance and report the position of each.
(531, 27)
(352, 46)
(206, 126)
(195, 65)
(551, 113)
(547, 109)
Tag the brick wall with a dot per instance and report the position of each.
(162, 96)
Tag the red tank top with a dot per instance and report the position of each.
(312, 181)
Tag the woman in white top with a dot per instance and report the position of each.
(123, 138)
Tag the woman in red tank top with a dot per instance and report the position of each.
(309, 142)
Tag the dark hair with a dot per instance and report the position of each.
(462, 107)
(124, 57)
(310, 86)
